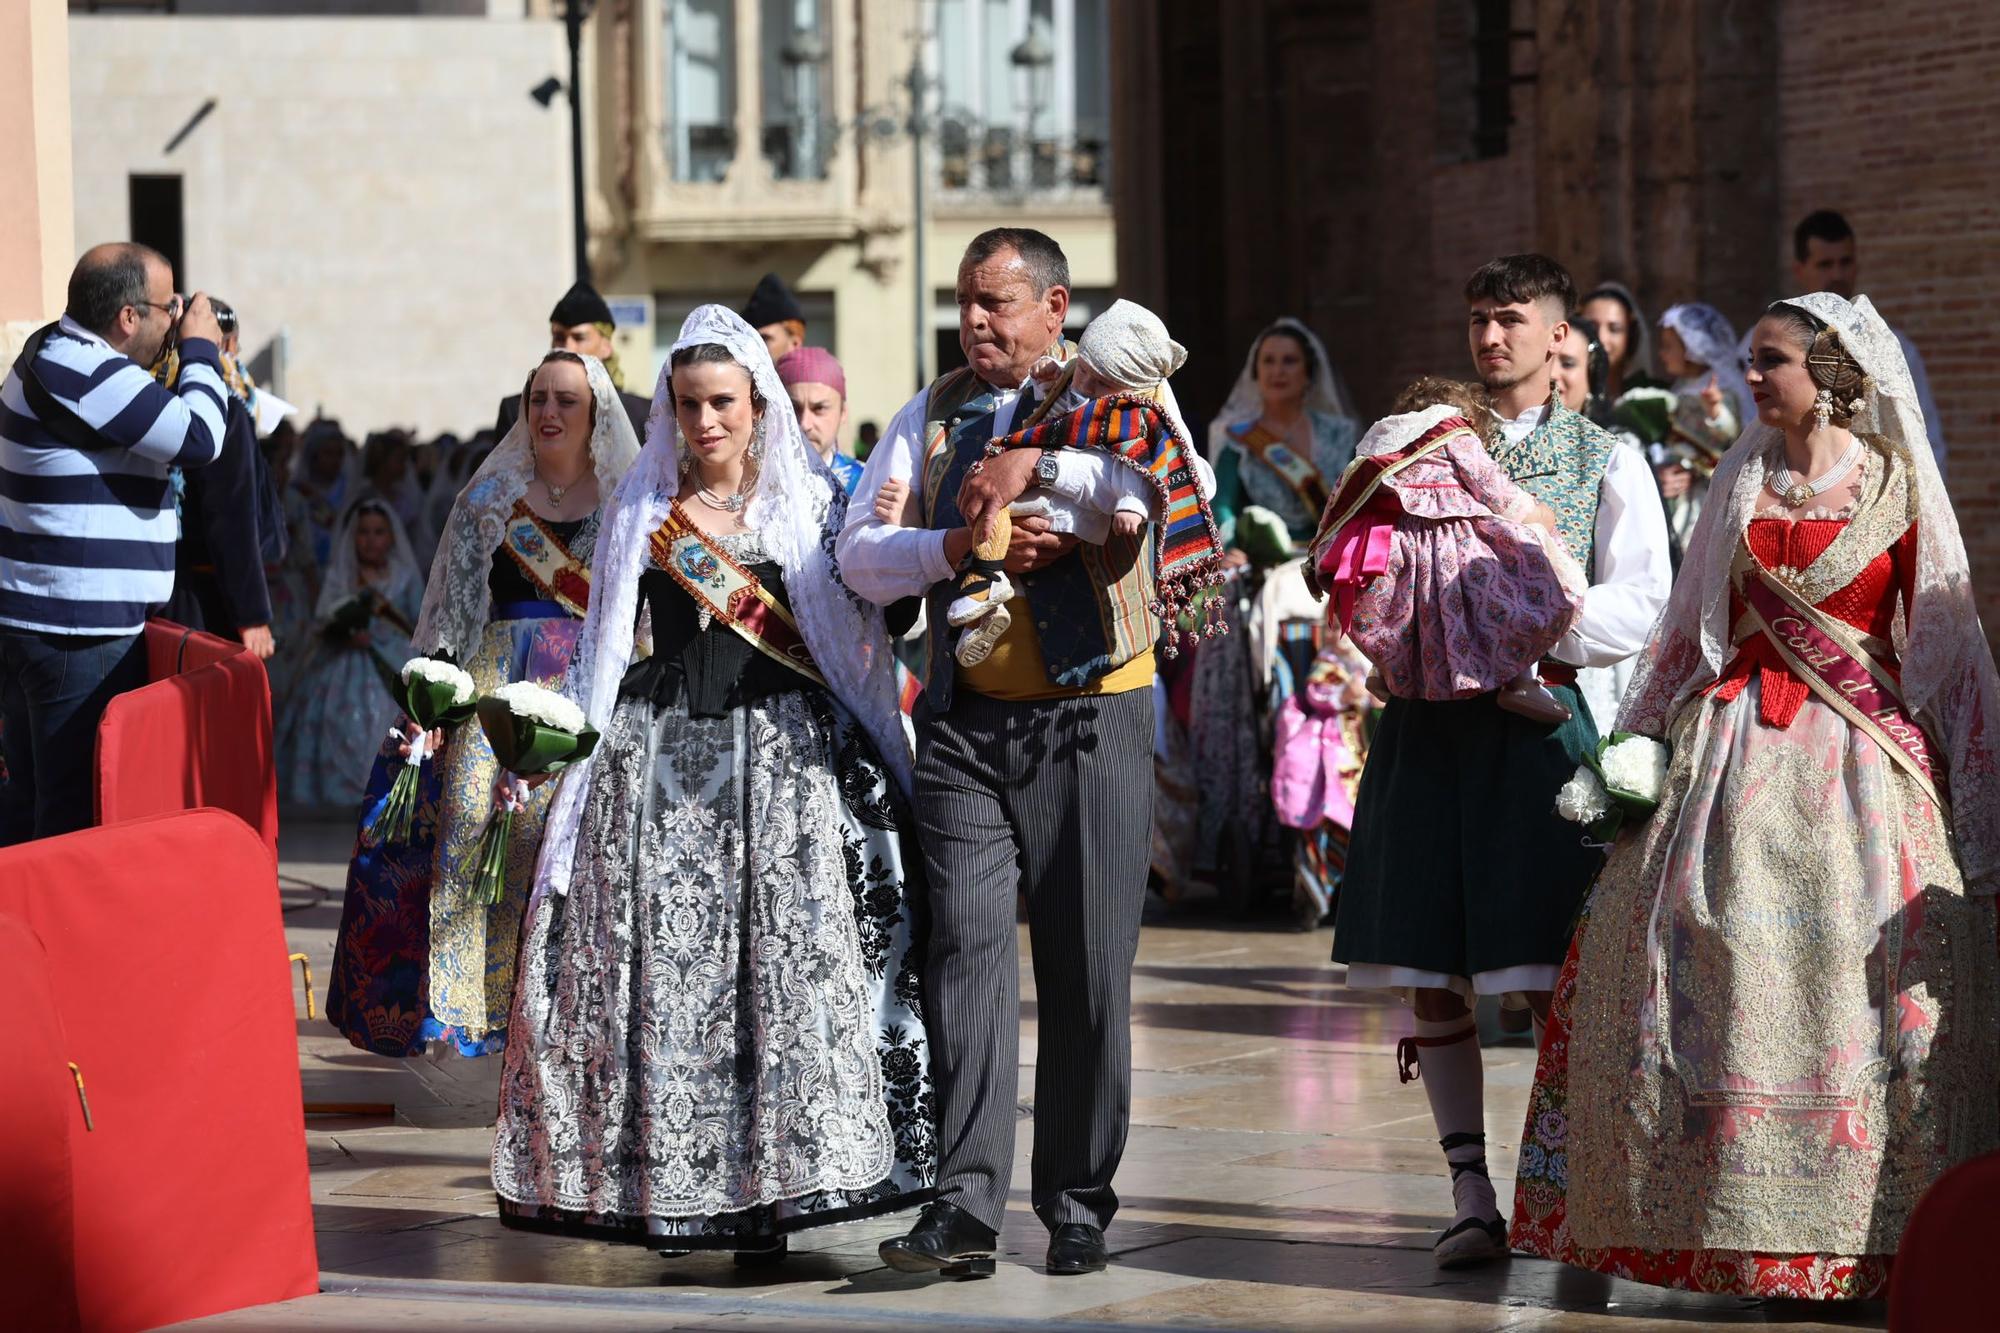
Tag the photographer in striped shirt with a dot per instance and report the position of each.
(87, 522)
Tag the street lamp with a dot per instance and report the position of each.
(803, 54)
(574, 13)
(1035, 56)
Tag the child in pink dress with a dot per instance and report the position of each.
(1447, 575)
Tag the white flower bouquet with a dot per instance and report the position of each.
(533, 731)
(433, 694)
(1623, 780)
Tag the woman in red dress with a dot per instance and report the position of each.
(1780, 1016)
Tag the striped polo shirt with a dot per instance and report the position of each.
(87, 535)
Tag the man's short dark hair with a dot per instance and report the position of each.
(1520, 280)
(1046, 263)
(1819, 225)
(101, 285)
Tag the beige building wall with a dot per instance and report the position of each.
(35, 221)
(382, 192)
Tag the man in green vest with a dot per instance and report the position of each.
(1461, 878)
(1033, 773)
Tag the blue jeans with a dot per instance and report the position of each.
(53, 690)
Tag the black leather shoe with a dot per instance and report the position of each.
(947, 1240)
(1076, 1247)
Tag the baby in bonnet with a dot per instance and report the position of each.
(1447, 575)
(1126, 350)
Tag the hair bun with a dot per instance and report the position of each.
(1833, 368)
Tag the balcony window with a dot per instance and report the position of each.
(701, 88)
(1014, 127)
(796, 65)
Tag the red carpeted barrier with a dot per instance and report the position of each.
(198, 734)
(167, 985)
(38, 1104)
(1939, 1279)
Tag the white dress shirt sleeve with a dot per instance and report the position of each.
(1093, 479)
(1633, 572)
(879, 561)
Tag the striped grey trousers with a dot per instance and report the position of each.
(1054, 798)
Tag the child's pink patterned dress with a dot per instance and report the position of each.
(1439, 578)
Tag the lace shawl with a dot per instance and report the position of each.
(799, 506)
(1709, 339)
(453, 617)
(1949, 682)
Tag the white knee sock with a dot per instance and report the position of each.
(1455, 1082)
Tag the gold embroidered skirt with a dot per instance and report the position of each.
(1777, 1027)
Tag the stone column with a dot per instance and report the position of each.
(37, 229)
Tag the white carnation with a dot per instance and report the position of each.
(1583, 798)
(441, 673)
(1637, 764)
(536, 703)
(1646, 395)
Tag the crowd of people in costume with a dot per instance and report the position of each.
(1655, 710)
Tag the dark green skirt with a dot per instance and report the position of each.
(1459, 863)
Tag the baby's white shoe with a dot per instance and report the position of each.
(970, 606)
(975, 641)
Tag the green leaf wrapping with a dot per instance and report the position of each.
(1647, 417)
(428, 703)
(526, 747)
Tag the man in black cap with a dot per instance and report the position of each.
(774, 312)
(581, 323)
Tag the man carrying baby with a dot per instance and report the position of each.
(1033, 773)
(1461, 879)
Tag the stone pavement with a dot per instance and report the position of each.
(1278, 1178)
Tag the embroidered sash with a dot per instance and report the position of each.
(1836, 665)
(1298, 473)
(721, 586)
(545, 561)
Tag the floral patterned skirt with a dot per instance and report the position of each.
(418, 957)
(718, 1035)
(1465, 606)
(1776, 1027)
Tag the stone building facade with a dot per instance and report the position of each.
(1351, 161)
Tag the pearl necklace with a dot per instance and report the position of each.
(729, 504)
(1796, 493)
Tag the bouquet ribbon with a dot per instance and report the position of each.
(420, 745)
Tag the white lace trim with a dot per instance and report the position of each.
(456, 600)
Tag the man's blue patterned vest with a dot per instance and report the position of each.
(1092, 609)
(1562, 463)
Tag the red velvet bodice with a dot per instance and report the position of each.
(1868, 604)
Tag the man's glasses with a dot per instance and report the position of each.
(172, 307)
